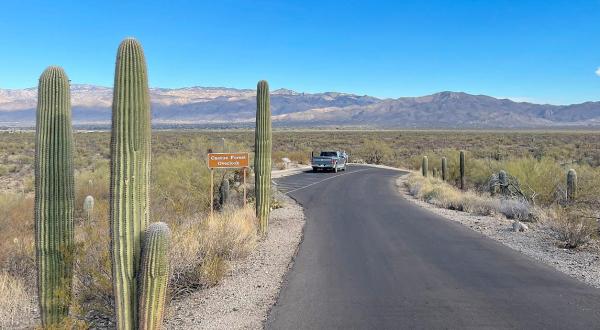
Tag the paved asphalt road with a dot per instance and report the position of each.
(372, 260)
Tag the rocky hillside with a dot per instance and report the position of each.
(216, 105)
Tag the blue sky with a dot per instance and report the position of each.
(541, 51)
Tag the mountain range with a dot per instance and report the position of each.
(229, 106)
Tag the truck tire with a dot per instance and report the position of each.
(314, 169)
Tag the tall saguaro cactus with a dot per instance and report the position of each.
(571, 185)
(154, 276)
(425, 166)
(444, 169)
(462, 170)
(129, 177)
(262, 157)
(54, 195)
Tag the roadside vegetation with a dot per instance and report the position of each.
(203, 247)
(523, 189)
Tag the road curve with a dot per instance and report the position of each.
(373, 260)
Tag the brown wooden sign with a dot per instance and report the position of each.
(228, 160)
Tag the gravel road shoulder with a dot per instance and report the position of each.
(538, 242)
(245, 296)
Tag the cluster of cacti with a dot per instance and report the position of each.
(129, 199)
(425, 166)
(54, 196)
(88, 207)
(154, 276)
(444, 169)
(463, 182)
(262, 157)
(224, 192)
(571, 185)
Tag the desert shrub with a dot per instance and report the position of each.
(16, 303)
(231, 234)
(374, 152)
(480, 205)
(202, 249)
(92, 272)
(4, 170)
(439, 193)
(179, 187)
(573, 227)
(517, 209)
(296, 156)
(17, 253)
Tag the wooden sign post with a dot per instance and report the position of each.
(227, 160)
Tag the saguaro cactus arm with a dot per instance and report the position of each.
(462, 170)
(571, 185)
(154, 276)
(54, 195)
(444, 169)
(262, 157)
(129, 177)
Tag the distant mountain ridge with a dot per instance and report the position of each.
(214, 105)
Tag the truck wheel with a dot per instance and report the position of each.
(314, 169)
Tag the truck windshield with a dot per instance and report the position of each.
(328, 153)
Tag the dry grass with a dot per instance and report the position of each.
(17, 254)
(202, 249)
(439, 193)
(573, 227)
(16, 304)
(572, 224)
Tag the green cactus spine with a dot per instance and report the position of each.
(444, 169)
(129, 177)
(425, 166)
(503, 182)
(262, 157)
(224, 192)
(154, 276)
(463, 182)
(54, 196)
(571, 185)
(88, 207)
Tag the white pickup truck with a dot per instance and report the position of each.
(330, 160)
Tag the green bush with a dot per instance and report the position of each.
(179, 186)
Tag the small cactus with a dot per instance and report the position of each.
(129, 177)
(224, 192)
(571, 185)
(462, 171)
(435, 172)
(154, 276)
(262, 157)
(503, 182)
(444, 169)
(425, 166)
(54, 196)
(88, 207)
